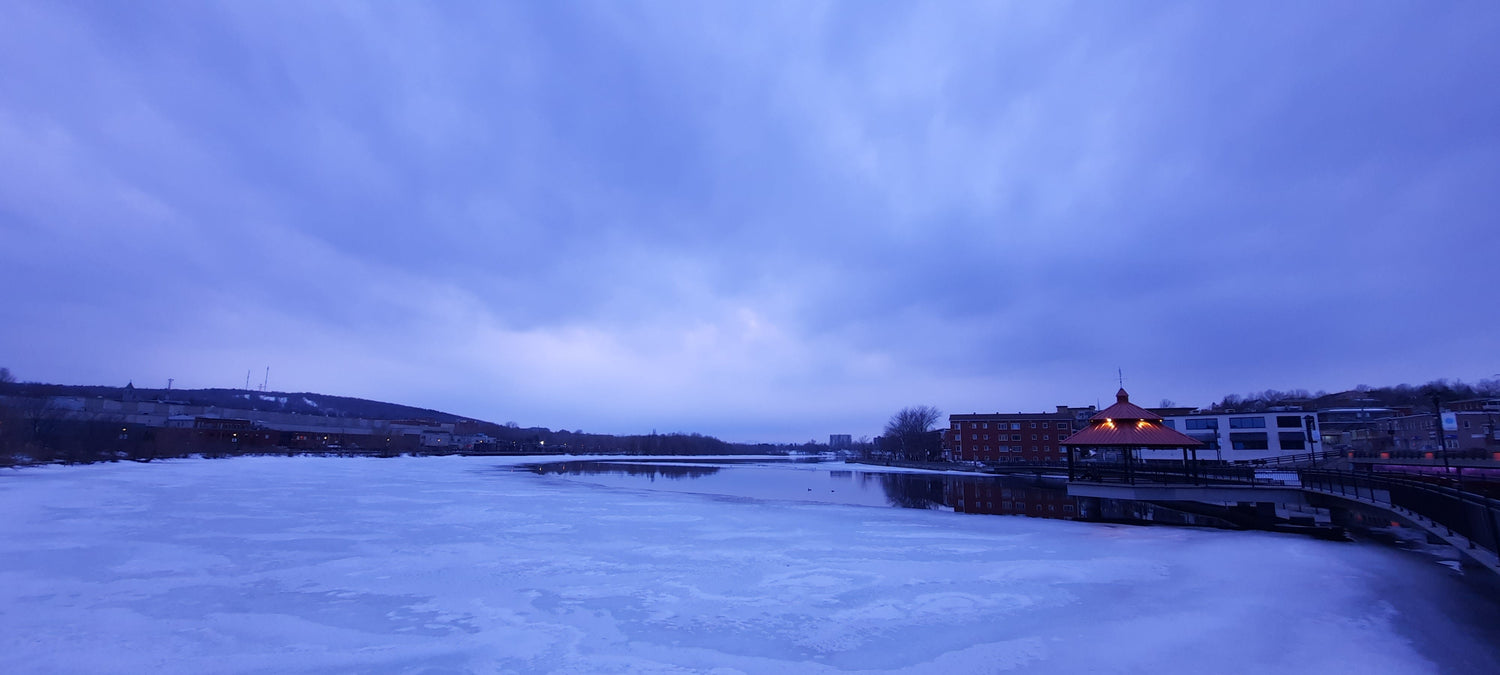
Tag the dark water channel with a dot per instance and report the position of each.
(836, 483)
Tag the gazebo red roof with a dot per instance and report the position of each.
(1126, 424)
(1123, 409)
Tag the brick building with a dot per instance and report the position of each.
(1465, 433)
(1012, 437)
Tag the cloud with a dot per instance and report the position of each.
(767, 223)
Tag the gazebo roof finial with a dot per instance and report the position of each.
(1121, 396)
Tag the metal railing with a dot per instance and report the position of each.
(1472, 515)
(1298, 458)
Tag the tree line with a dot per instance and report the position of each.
(1395, 396)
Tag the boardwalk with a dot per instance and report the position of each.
(1464, 514)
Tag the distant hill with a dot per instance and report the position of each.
(507, 435)
(306, 403)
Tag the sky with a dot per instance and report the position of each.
(765, 221)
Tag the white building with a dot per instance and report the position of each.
(1235, 437)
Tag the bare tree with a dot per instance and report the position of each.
(909, 429)
(6, 377)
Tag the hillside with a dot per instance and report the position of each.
(307, 403)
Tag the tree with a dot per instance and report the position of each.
(910, 431)
(6, 377)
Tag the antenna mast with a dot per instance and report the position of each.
(267, 380)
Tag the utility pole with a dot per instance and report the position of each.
(1437, 414)
(169, 384)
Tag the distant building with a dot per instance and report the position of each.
(1464, 432)
(1475, 405)
(1352, 427)
(840, 441)
(1244, 436)
(1011, 437)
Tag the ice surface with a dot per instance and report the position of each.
(459, 565)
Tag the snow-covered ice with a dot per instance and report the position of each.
(274, 564)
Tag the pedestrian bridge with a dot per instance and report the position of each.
(1466, 516)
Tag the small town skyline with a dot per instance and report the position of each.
(1406, 399)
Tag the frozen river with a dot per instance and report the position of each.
(436, 565)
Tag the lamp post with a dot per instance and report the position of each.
(1310, 425)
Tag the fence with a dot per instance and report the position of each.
(1296, 459)
(1472, 515)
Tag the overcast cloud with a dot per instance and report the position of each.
(762, 221)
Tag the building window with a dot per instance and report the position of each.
(1033, 437)
(1015, 437)
(1247, 423)
(1044, 425)
(1170, 424)
(1249, 441)
(1202, 423)
(1015, 426)
(986, 437)
(985, 425)
(1033, 425)
(1292, 440)
(1046, 437)
(1289, 421)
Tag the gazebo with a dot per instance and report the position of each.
(1129, 430)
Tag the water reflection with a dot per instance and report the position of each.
(977, 494)
(650, 471)
(1039, 500)
(915, 491)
